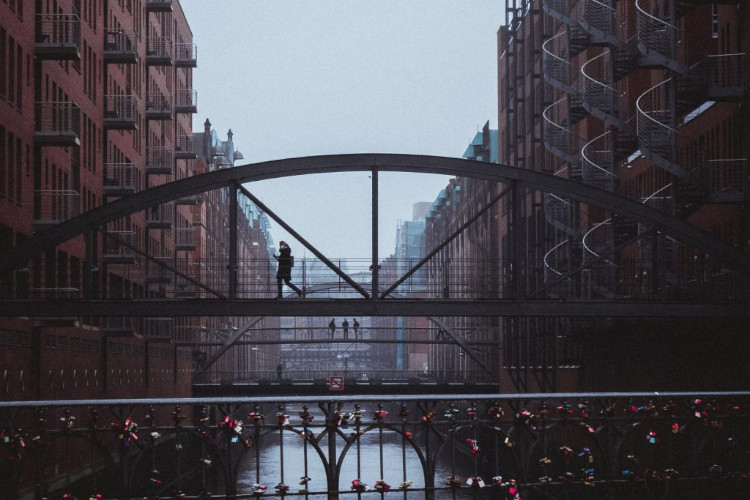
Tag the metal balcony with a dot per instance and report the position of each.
(51, 207)
(186, 101)
(120, 179)
(118, 247)
(728, 180)
(159, 329)
(120, 47)
(159, 51)
(156, 273)
(120, 326)
(185, 148)
(121, 112)
(186, 239)
(158, 106)
(58, 37)
(159, 161)
(160, 217)
(186, 55)
(58, 124)
(725, 76)
(159, 6)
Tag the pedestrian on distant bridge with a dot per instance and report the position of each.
(356, 328)
(345, 326)
(332, 327)
(284, 273)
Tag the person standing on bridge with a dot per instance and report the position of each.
(284, 272)
(356, 328)
(332, 327)
(345, 327)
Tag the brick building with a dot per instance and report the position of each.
(97, 103)
(647, 99)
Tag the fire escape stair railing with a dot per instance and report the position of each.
(598, 159)
(661, 199)
(600, 21)
(600, 96)
(560, 213)
(657, 41)
(603, 274)
(559, 139)
(560, 261)
(560, 10)
(558, 70)
(656, 132)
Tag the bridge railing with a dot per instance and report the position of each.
(354, 375)
(581, 445)
(699, 277)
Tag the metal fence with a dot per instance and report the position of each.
(582, 445)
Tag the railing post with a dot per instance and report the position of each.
(332, 471)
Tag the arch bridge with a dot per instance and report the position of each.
(686, 264)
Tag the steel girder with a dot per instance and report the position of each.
(376, 162)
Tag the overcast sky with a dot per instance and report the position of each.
(309, 77)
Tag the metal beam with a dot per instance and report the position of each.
(304, 242)
(680, 230)
(229, 342)
(461, 342)
(442, 245)
(52, 308)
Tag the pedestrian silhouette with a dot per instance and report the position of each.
(279, 370)
(332, 327)
(284, 273)
(356, 327)
(345, 326)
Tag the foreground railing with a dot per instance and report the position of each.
(576, 445)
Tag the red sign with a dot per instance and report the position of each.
(336, 383)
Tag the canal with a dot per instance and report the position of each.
(378, 456)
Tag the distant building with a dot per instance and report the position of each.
(256, 270)
(467, 266)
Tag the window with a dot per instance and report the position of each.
(3, 62)
(714, 21)
(3, 164)
(19, 77)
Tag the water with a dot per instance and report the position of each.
(392, 462)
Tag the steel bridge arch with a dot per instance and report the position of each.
(375, 162)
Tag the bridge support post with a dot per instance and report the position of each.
(374, 230)
(232, 265)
